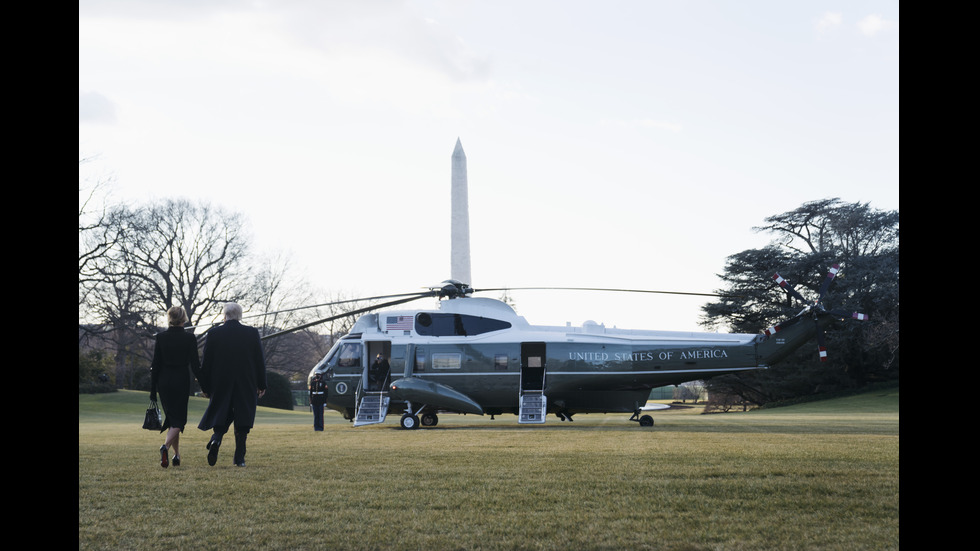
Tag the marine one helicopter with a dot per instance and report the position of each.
(477, 356)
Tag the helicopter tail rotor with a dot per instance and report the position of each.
(814, 309)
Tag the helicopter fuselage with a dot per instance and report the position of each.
(476, 355)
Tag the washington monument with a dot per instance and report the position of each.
(460, 269)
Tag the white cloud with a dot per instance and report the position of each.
(829, 21)
(873, 24)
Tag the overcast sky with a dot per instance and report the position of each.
(629, 144)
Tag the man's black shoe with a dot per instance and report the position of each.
(213, 451)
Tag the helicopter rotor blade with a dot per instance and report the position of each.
(853, 315)
(821, 344)
(322, 304)
(599, 289)
(451, 289)
(826, 282)
(347, 301)
(415, 296)
(789, 288)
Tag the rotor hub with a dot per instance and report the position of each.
(452, 288)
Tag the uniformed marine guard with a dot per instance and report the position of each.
(318, 397)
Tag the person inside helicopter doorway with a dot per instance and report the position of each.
(378, 373)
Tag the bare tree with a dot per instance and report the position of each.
(99, 233)
(693, 390)
(165, 254)
(135, 263)
(326, 322)
(285, 301)
(192, 255)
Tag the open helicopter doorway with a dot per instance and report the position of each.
(377, 373)
(533, 402)
(372, 395)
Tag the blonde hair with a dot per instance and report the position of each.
(176, 316)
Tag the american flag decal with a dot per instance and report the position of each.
(398, 322)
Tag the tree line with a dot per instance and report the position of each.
(136, 261)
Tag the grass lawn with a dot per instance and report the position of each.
(816, 476)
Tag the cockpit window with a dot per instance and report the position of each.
(458, 325)
(343, 354)
(350, 355)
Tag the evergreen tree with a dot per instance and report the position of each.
(278, 394)
(807, 242)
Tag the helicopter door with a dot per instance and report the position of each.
(533, 404)
(372, 407)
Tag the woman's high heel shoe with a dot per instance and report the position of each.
(176, 461)
(163, 457)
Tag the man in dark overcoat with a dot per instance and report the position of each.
(233, 377)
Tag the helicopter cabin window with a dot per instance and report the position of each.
(456, 325)
(446, 361)
(500, 362)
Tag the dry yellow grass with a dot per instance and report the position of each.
(809, 477)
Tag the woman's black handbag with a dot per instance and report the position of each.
(153, 420)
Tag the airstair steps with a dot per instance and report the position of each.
(372, 409)
(533, 408)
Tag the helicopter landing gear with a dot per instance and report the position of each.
(410, 421)
(564, 415)
(645, 420)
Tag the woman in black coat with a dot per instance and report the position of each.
(175, 350)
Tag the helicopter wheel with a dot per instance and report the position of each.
(646, 421)
(430, 420)
(409, 422)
